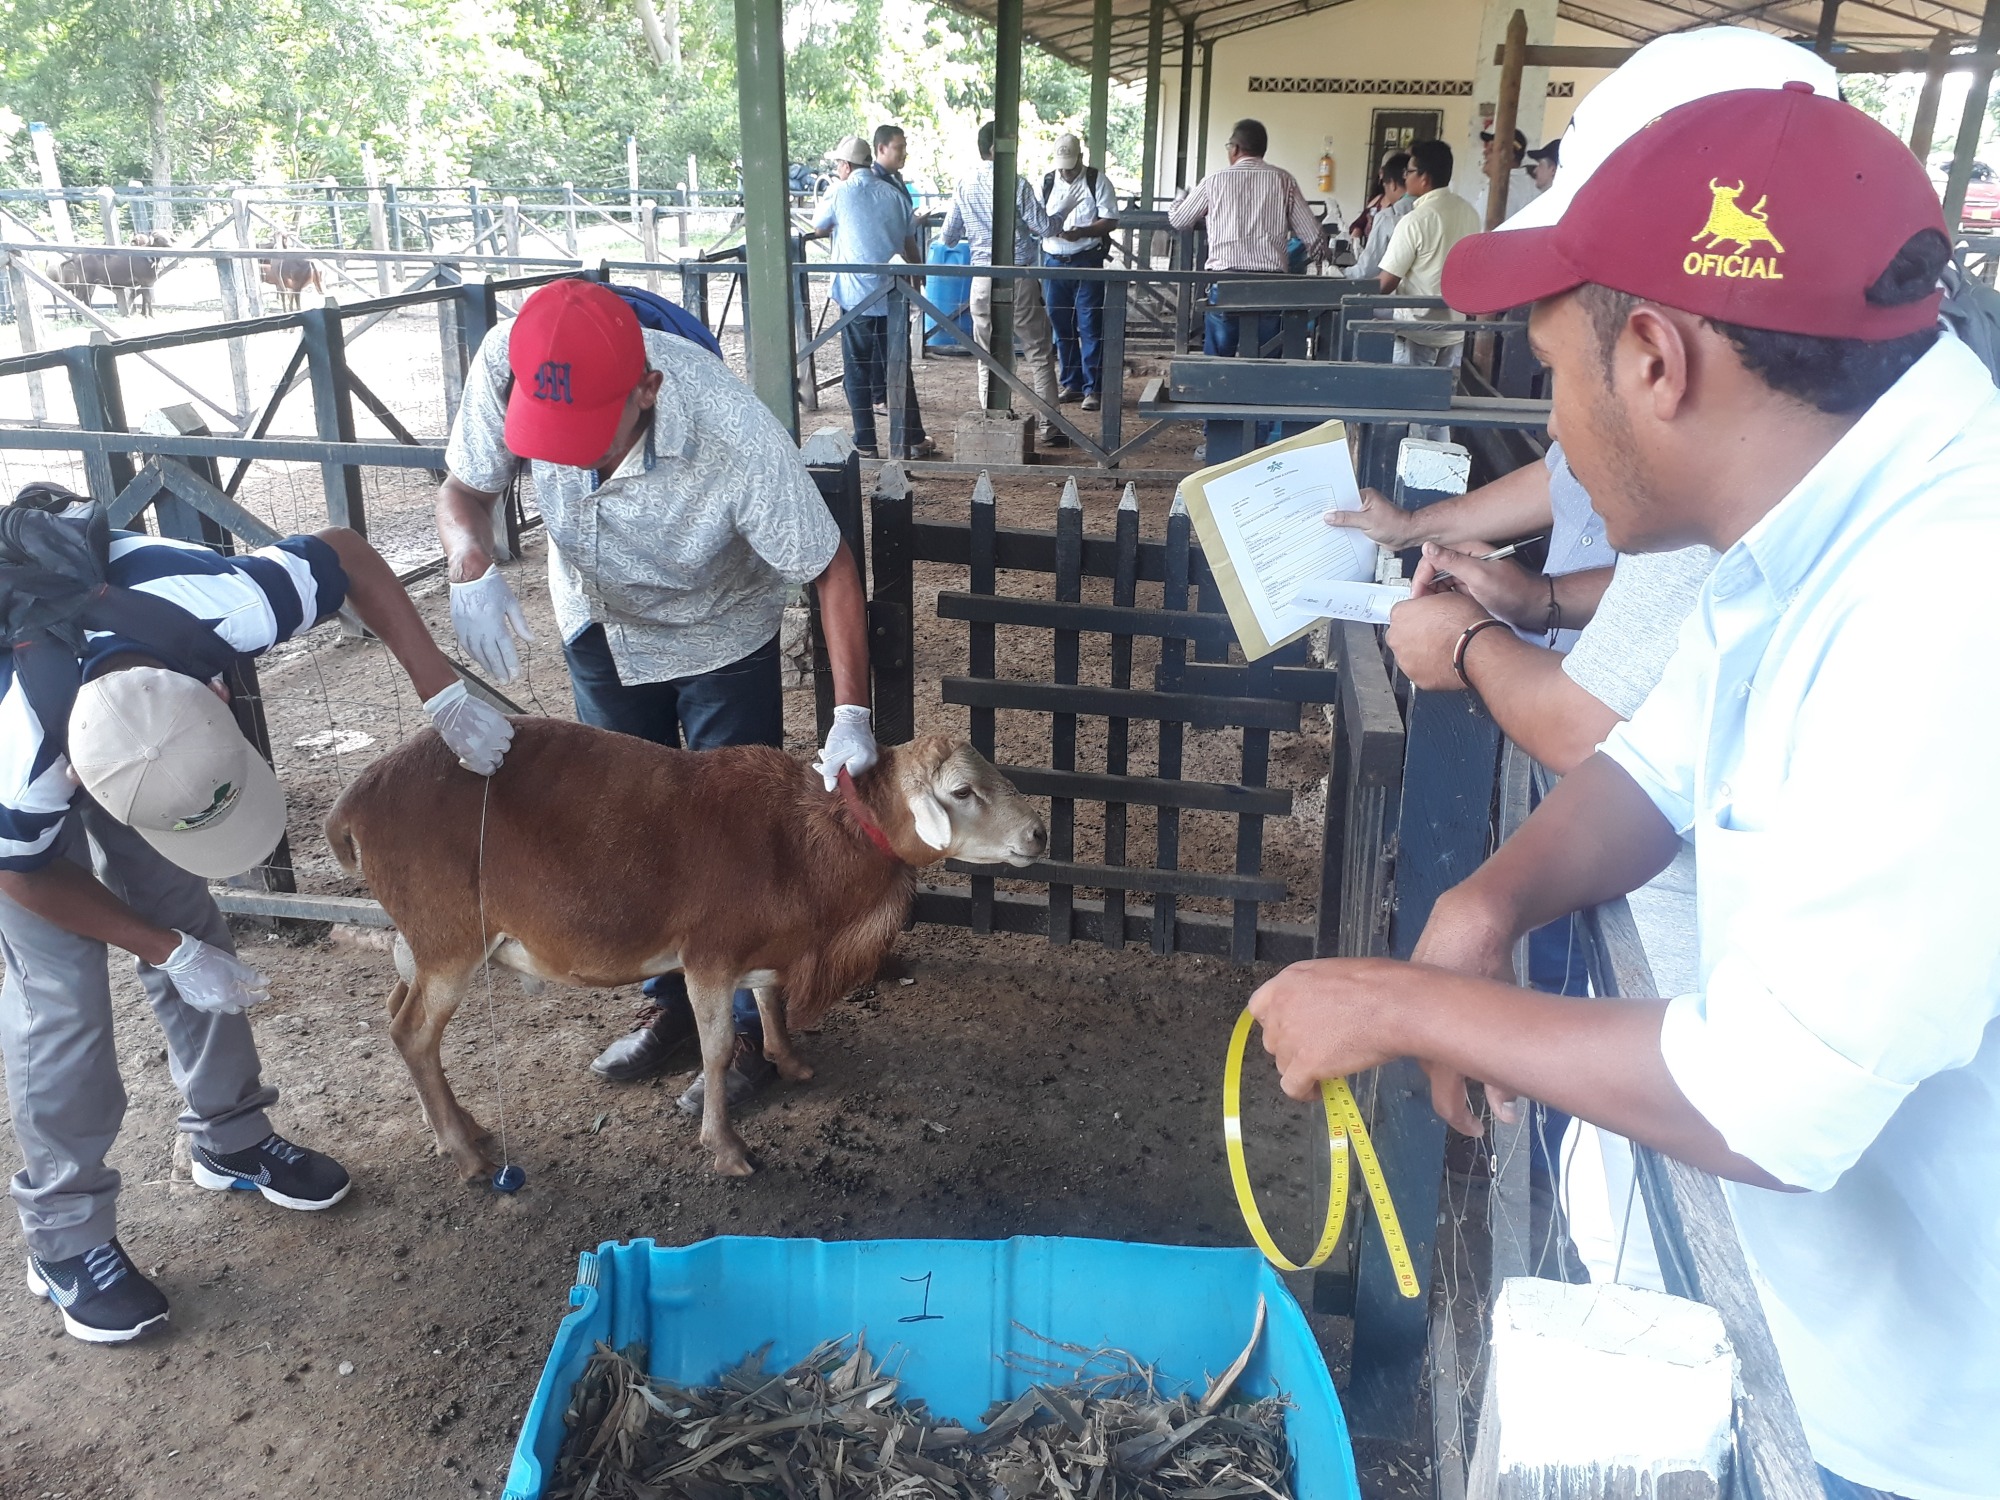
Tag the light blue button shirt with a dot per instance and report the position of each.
(1826, 734)
(871, 222)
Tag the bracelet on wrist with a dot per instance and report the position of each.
(1465, 640)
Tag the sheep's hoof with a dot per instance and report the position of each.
(733, 1161)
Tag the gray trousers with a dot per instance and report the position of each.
(62, 1062)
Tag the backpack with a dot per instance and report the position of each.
(1972, 311)
(657, 313)
(53, 590)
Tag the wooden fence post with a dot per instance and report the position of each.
(28, 320)
(892, 605)
(333, 411)
(100, 407)
(510, 212)
(451, 343)
(569, 218)
(249, 290)
(228, 275)
(378, 223)
(649, 242)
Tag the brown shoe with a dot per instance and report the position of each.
(647, 1049)
(749, 1071)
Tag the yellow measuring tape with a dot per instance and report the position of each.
(1343, 1128)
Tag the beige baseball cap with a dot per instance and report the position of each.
(1069, 151)
(162, 753)
(854, 151)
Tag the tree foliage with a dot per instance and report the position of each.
(506, 91)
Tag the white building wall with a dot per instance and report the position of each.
(1389, 48)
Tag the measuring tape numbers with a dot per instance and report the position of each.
(1344, 1129)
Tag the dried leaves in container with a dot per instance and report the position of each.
(1092, 1426)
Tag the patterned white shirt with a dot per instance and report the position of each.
(685, 555)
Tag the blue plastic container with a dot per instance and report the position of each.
(939, 1311)
(948, 294)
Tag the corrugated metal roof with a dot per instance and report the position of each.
(1063, 27)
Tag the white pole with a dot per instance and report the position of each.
(45, 158)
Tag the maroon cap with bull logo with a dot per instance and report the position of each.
(576, 353)
(1768, 208)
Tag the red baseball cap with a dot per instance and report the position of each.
(1768, 208)
(576, 352)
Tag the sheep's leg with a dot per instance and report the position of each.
(777, 1040)
(713, 1000)
(418, 1014)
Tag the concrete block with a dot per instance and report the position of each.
(991, 437)
(1603, 1392)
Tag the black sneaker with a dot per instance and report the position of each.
(290, 1176)
(103, 1297)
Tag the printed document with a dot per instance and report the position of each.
(1262, 528)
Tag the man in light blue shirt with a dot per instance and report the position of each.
(871, 222)
(1735, 365)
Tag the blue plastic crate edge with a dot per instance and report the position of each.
(617, 1281)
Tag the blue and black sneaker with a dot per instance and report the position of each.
(104, 1298)
(291, 1176)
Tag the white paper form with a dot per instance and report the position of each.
(1369, 603)
(1270, 517)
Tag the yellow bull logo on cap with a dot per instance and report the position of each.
(1743, 228)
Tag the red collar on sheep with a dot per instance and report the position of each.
(866, 818)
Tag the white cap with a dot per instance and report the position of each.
(160, 751)
(1664, 74)
(1069, 151)
(854, 151)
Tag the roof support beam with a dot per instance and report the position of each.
(1829, 17)
(1006, 175)
(1185, 117)
(1974, 117)
(767, 211)
(1149, 175)
(1100, 84)
(1843, 62)
(1207, 77)
(1506, 110)
(1924, 126)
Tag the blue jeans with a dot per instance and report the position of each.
(1220, 334)
(738, 704)
(864, 348)
(1076, 308)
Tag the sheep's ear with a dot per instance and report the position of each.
(932, 820)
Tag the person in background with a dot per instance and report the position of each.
(1252, 211)
(872, 223)
(1413, 265)
(849, 154)
(1394, 202)
(970, 218)
(1083, 212)
(1521, 187)
(1542, 165)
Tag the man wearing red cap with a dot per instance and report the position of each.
(680, 519)
(1737, 366)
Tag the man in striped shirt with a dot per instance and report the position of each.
(112, 822)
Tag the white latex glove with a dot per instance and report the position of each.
(210, 979)
(850, 744)
(482, 613)
(478, 733)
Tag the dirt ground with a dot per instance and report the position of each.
(389, 1347)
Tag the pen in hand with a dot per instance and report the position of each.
(1495, 556)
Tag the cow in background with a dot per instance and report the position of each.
(129, 275)
(289, 275)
